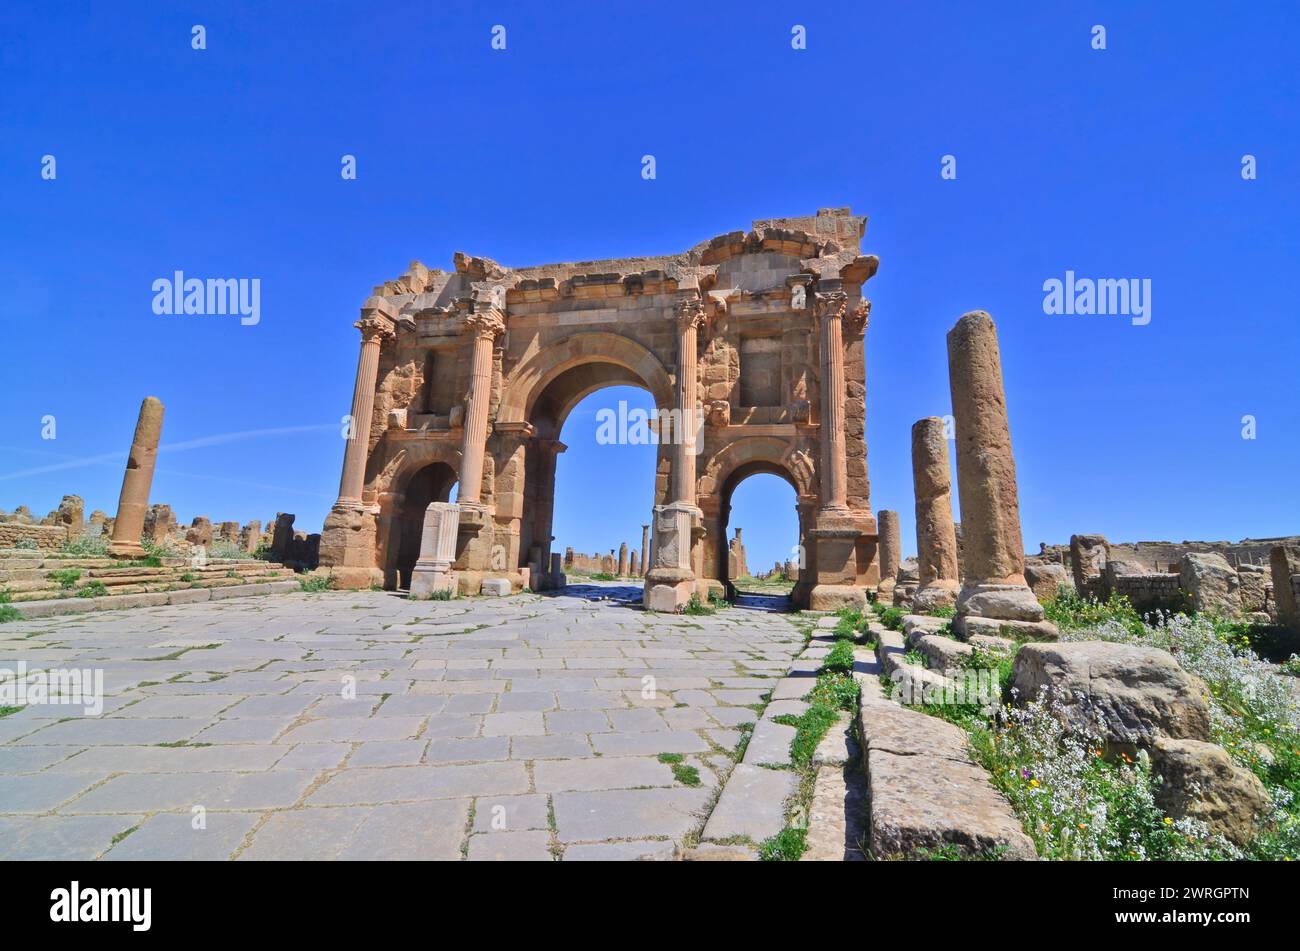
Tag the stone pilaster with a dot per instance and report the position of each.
(994, 594)
(432, 573)
(936, 539)
(890, 553)
(133, 502)
(347, 546)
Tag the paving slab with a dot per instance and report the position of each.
(532, 711)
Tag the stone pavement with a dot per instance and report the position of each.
(361, 725)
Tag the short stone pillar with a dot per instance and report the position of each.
(250, 535)
(994, 594)
(134, 500)
(282, 536)
(622, 560)
(432, 573)
(936, 540)
(890, 553)
(556, 578)
(71, 516)
(1089, 555)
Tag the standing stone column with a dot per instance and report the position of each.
(936, 539)
(890, 553)
(839, 534)
(670, 582)
(831, 308)
(485, 326)
(134, 500)
(347, 544)
(645, 550)
(994, 594)
(622, 560)
(374, 331)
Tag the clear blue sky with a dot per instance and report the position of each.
(1117, 163)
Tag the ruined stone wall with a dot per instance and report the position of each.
(1160, 556)
(45, 537)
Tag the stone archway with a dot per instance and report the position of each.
(750, 335)
(536, 402)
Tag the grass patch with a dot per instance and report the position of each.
(834, 692)
(8, 711)
(697, 607)
(65, 578)
(786, 846)
(840, 658)
(686, 775)
(316, 583)
(7, 611)
(93, 589)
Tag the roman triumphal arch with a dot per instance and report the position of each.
(751, 345)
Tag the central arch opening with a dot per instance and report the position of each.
(604, 484)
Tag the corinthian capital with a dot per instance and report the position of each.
(830, 304)
(689, 313)
(375, 327)
(856, 323)
(486, 322)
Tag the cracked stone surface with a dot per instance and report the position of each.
(360, 725)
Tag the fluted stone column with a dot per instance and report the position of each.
(670, 582)
(936, 539)
(839, 533)
(132, 504)
(347, 544)
(374, 331)
(890, 553)
(645, 550)
(485, 326)
(994, 594)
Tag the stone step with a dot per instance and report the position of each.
(57, 606)
(926, 796)
(46, 590)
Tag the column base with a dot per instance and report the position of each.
(430, 580)
(125, 550)
(347, 540)
(668, 589)
(1001, 609)
(937, 594)
(833, 597)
